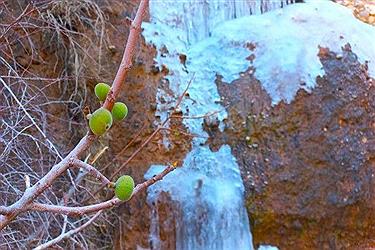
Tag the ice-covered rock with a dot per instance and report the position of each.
(217, 38)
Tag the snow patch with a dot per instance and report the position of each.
(286, 42)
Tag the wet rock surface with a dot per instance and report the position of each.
(308, 167)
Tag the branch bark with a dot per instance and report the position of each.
(79, 211)
(92, 171)
(126, 62)
(29, 196)
(138, 188)
(33, 192)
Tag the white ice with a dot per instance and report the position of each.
(209, 190)
(286, 42)
(286, 59)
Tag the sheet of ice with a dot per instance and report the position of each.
(286, 41)
(209, 184)
(193, 20)
(209, 190)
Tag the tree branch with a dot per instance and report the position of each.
(73, 211)
(79, 211)
(92, 171)
(154, 179)
(33, 192)
(126, 62)
(154, 133)
(138, 188)
(23, 204)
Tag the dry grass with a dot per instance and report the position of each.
(67, 18)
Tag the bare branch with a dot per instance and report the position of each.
(126, 62)
(33, 192)
(31, 118)
(97, 155)
(154, 179)
(162, 126)
(73, 211)
(196, 116)
(29, 196)
(69, 233)
(92, 171)
(137, 151)
(156, 131)
(24, 13)
(117, 157)
(138, 188)
(184, 93)
(79, 211)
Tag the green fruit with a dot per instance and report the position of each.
(100, 121)
(101, 91)
(124, 187)
(119, 111)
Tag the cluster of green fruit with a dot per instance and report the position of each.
(100, 121)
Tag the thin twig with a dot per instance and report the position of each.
(117, 157)
(184, 93)
(135, 153)
(69, 233)
(138, 189)
(30, 117)
(92, 171)
(196, 116)
(98, 155)
(25, 12)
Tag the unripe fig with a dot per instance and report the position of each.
(101, 91)
(100, 121)
(124, 187)
(119, 111)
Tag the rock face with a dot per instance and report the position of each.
(307, 166)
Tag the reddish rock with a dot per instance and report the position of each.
(308, 166)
